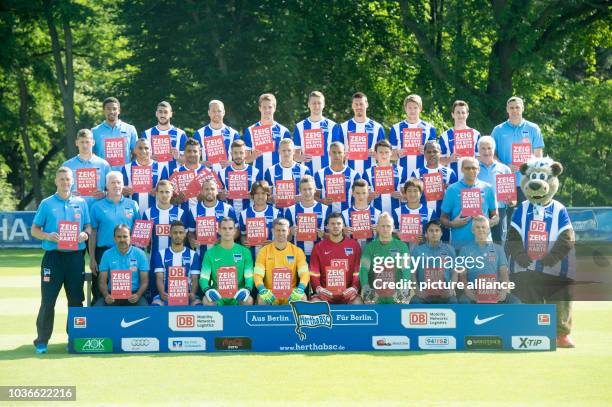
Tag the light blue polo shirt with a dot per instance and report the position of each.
(54, 209)
(101, 166)
(505, 134)
(451, 205)
(493, 257)
(105, 215)
(427, 251)
(488, 173)
(134, 260)
(122, 130)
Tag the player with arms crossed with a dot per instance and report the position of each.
(227, 270)
(178, 260)
(374, 276)
(281, 271)
(334, 266)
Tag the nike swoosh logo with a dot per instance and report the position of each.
(326, 253)
(478, 321)
(134, 322)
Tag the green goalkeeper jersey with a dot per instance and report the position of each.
(238, 256)
(382, 250)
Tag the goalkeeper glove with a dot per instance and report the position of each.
(266, 295)
(242, 294)
(213, 295)
(349, 294)
(324, 293)
(297, 293)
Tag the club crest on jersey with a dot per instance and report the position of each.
(290, 259)
(393, 252)
(348, 251)
(128, 213)
(133, 265)
(237, 257)
(46, 275)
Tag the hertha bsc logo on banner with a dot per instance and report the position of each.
(310, 315)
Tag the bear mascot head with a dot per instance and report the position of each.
(540, 181)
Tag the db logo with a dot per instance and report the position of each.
(185, 321)
(162, 230)
(418, 318)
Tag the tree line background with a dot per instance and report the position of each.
(59, 59)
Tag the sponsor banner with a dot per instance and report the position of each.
(530, 343)
(305, 326)
(391, 342)
(195, 321)
(16, 229)
(140, 344)
(186, 344)
(437, 342)
(537, 240)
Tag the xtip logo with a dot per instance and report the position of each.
(80, 322)
(543, 319)
(185, 321)
(418, 318)
(530, 343)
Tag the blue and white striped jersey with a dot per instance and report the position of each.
(279, 173)
(374, 214)
(162, 219)
(350, 175)
(176, 135)
(253, 175)
(396, 138)
(145, 200)
(266, 160)
(556, 219)
(291, 214)
(426, 214)
(270, 213)
(327, 127)
(376, 133)
(385, 202)
(447, 147)
(228, 133)
(163, 259)
(448, 177)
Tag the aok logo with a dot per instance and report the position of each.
(185, 321)
(92, 345)
(418, 318)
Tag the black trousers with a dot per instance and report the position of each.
(58, 269)
(95, 287)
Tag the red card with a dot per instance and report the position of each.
(263, 139)
(181, 181)
(313, 142)
(68, 235)
(121, 284)
(413, 139)
(238, 185)
(537, 240)
(195, 186)
(505, 187)
(471, 203)
(178, 286)
(361, 223)
(383, 180)
(410, 228)
(214, 147)
(162, 230)
(142, 179)
(335, 275)
(464, 143)
(206, 229)
(358, 146)
(227, 281)
(161, 147)
(335, 187)
(114, 151)
(306, 227)
(387, 275)
(86, 181)
(485, 295)
(433, 186)
(521, 153)
(256, 231)
(281, 282)
(141, 233)
(285, 193)
(434, 274)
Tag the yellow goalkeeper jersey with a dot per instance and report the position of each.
(270, 260)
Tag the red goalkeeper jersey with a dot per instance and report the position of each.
(328, 256)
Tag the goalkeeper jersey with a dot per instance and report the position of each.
(377, 249)
(327, 254)
(218, 256)
(269, 258)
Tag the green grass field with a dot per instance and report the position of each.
(581, 376)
